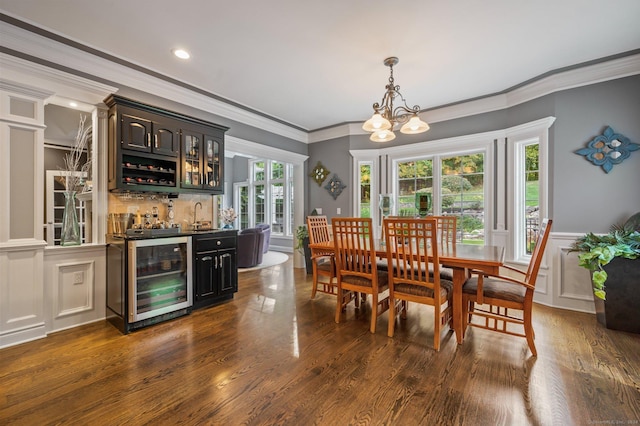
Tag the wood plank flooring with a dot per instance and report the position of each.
(273, 356)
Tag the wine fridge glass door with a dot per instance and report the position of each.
(160, 277)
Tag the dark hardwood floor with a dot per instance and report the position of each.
(273, 356)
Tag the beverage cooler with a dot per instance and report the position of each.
(148, 280)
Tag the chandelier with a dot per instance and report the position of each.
(385, 116)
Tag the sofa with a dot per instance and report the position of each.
(250, 247)
(266, 230)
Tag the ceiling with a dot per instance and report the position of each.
(316, 65)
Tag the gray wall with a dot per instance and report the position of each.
(582, 196)
(585, 198)
(334, 155)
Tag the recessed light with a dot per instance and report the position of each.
(181, 53)
(73, 104)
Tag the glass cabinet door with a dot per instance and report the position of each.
(212, 163)
(191, 170)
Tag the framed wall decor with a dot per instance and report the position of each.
(319, 173)
(335, 186)
(608, 149)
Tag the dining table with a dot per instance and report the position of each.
(461, 258)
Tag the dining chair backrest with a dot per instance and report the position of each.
(322, 260)
(354, 246)
(318, 227)
(411, 245)
(447, 228)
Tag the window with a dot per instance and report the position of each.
(462, 194)
(414, 177)
(526, 196)
(364, 195)
(277, 197)
(271, 190)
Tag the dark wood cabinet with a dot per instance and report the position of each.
(202, 161)
(138, 134)
(215, 269)
(155, 150)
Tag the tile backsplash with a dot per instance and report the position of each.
(183, 206)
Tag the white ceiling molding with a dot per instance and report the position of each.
(41, 47)
(56, 82)
(591, 74)
(257, 150)
(49, 50)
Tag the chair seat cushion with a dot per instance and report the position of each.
(325, 264)
(445, 273)
(383, 280)
(496, 289)
(446, 288)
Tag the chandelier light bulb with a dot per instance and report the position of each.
(414, 126)
(382, 136)
(376, 122)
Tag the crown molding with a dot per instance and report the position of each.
(257, 150)
(28, 43)
(59, 83)
(584, 76)
(46, 49)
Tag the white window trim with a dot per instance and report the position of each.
(369, 157)
(287, 181)
(498, 175)
(436, 150)
(516, 138)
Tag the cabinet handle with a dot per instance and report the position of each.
(218, 242)
(155, 141)
(206, 258)
(148, 139)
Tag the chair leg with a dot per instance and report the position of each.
(314, 288)
(392, 317)
(339, 304)
(436, 328)
(374, 313)
(528, 330)
(466, 315)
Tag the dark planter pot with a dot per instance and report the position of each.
(307, 255)
(621, 310)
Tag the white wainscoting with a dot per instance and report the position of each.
(75, 286)
(571, 283)
(561, 282)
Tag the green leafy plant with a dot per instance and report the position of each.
(301, 233)
(596, 251)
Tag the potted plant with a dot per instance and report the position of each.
(302, 245)
(614, 262)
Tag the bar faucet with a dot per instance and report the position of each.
(195, 211)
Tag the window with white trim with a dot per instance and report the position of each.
(526, 196)
(270, 188)
(454, 184)
(364, 203)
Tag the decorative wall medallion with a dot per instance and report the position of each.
(319, 173)
(608, 149)
(335, 186)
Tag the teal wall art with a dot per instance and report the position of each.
(608, 149)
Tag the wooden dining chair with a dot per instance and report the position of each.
(412, 251)
(356, 267)
(323, 262)
(447, 228)
(447, 234)
(493, 298)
